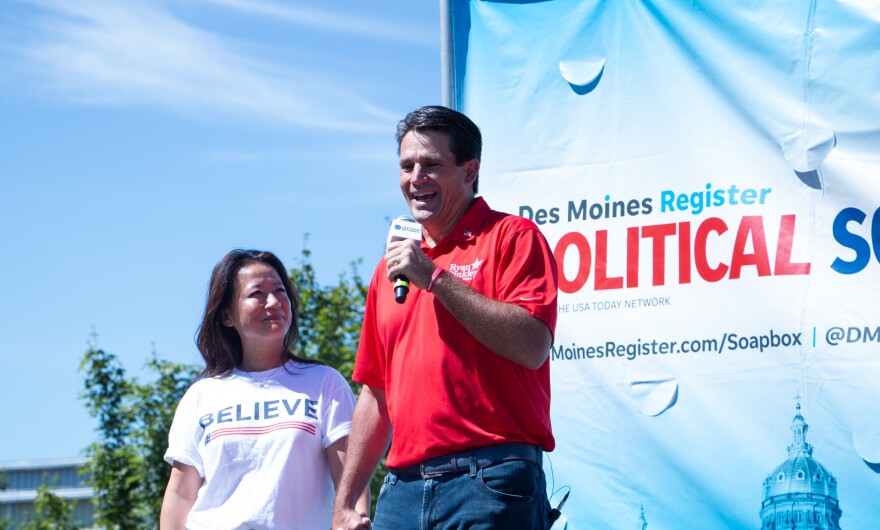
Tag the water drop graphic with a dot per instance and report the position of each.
(805, 149)
(583, 75)
(866, 441)
(654, 397)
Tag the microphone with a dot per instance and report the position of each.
(403, 228)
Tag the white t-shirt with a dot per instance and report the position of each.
(258, 440)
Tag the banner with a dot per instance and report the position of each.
(707, 174)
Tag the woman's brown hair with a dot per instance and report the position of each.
(220, 344)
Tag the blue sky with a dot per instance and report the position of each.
(142, 140)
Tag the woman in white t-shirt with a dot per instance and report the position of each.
(258, 442)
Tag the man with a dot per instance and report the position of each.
(459, 371)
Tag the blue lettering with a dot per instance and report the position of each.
(577, 211)
(206, 420)
(696, 202)
(311, 411)
(852, 241)
(682, 202)
(290, 411)
(632, 207)
(225, 415)
(732, 195)
(666, 197)
(270, 409)
(238, 416)
(875, 233)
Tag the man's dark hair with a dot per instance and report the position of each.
(465, 140)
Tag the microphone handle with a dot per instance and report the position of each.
(401, 288)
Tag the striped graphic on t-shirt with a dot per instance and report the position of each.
(259, 431)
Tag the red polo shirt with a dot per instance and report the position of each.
(445, 391)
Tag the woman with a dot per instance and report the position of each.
(259, 440)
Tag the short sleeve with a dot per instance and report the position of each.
(369, 367)
(337, 408)
(184, 435)
(527, 275)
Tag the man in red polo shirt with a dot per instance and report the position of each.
(458, 372)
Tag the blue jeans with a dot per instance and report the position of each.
(489, 490)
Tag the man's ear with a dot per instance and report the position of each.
(472, 167)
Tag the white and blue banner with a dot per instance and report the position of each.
(708, 174)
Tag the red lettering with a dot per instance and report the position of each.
(585, 259)
(784, 266)
(751, 225)
(684, 252)
(706, 272)
(632, 256)
(658, 235)
(603, 282)
(749, 249)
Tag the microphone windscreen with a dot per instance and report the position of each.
(404, 228)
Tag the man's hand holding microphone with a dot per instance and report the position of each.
(404, 258)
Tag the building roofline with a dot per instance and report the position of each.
(9, 497)
(47, 463)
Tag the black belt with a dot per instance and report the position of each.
(470, 461)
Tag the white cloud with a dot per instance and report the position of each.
(380, 153)
(376, 28)
(135, 52)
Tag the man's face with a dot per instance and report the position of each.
(437, 191)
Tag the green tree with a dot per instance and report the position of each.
(155, 404)
(330, 319)
(126, 466)
(330, 316)
(113, 459)
(51, 512)
(4, 521)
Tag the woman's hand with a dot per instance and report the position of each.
(356, 519)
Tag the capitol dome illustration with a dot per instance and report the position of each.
(800, 493)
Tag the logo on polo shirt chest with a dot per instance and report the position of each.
(466, 272)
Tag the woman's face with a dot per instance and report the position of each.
(260, 308)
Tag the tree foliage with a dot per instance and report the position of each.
(330, 316)
(51, 512)
(128, 472)
(330, 319)
(156, 403)
(126, 467)
(4, 521)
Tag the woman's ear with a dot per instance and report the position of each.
(226, 319)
